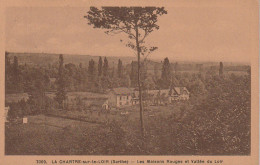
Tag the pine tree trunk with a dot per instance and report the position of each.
(139, 85)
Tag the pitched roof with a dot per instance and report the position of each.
(180, 90)
(122, 91)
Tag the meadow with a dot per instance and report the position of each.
(60, 133)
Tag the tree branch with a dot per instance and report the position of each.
(145, 35)
(126, 30)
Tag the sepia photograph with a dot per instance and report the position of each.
(128, 80)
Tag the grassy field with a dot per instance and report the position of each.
(42, 135)
(45, 135)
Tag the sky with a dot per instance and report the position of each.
(186, 33)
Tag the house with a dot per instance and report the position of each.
(120, 97)
(179, 93)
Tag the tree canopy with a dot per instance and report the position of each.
(136, 22)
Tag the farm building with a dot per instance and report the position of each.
(120, 97)
(179, 93)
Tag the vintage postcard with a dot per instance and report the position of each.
(129, 82)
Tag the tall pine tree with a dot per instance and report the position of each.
(61, 91)
(91, 68)
(105, 67)
(100, 63)
(166, 74)
(119, 68)
(221, 69)
(113, 71)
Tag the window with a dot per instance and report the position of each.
(127, 97)
(120, 97)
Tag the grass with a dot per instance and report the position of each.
(103, 116)
(45, 135)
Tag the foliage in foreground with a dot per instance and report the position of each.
(217, 125)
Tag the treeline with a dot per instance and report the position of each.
(61, 78)
(24, 78)
(96, 77)
(99, 76)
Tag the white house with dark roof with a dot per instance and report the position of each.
(120, 97)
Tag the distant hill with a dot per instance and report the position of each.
(43, 59)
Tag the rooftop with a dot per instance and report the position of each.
(180, 90)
